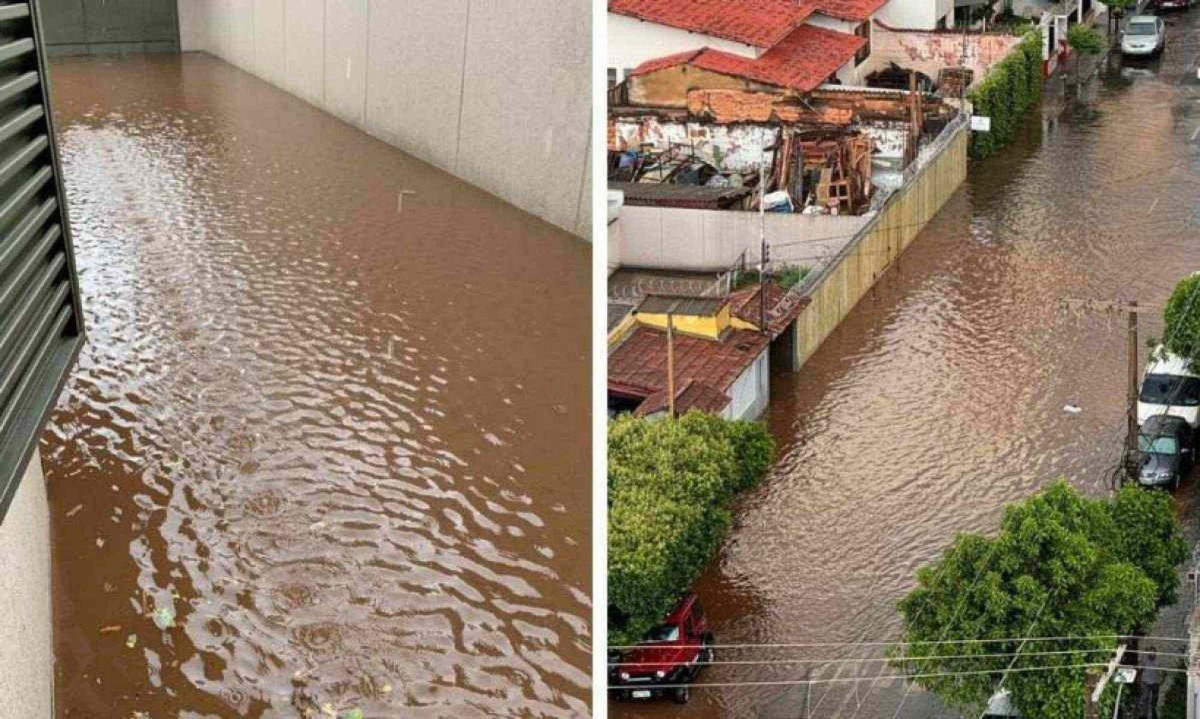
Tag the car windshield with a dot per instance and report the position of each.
(1141, 28)
(1171, 389)
(663, 633)
(1158, 445)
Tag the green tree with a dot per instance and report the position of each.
(670, 483)
(1062, 565)
(1181, 319)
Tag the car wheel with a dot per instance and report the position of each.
(681, 695)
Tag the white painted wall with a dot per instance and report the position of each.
(26, 638)
(751, 391)
(831, 23)
(495, 92)
(673, 238)
(632, 42)
(916, 14)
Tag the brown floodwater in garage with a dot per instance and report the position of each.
(942, 396)
(326, 449)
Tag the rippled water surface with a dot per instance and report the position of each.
(326, 448)
(941, 398)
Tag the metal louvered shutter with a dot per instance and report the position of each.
(41, 329)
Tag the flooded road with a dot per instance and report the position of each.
(941, 398)
(327, 446)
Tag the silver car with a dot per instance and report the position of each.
(1143, 35)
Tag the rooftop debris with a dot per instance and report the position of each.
(824, 152)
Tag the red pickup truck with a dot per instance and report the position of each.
(667, 660)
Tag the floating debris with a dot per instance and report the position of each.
(164, 617)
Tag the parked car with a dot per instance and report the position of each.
(1169, 387)
(1165, 5)
(668, 659)
(1144, 35)
(1165, 451)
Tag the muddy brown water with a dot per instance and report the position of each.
(942, 396)
(321, 452)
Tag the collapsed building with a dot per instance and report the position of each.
(684, 133)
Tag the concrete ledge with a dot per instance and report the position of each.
(26, 634)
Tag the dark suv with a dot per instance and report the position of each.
(667, 660)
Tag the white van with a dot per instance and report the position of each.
(1169, 387)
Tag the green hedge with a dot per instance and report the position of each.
(670, 483)
(1007, 94)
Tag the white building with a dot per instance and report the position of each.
(644, 30)
(917, 14)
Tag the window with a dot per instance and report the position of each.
(612, 77)
(663, 633)
(863, 31)
(1171, 389)
(1158, 445)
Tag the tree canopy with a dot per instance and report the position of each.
(1181, 319)
(1062, 565)
(670, 483)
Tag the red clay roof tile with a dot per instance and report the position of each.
(639, 364)
(801, 61)
(760, 23)
(854, 10)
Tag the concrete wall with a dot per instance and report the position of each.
(835, 290)
(632, 42)
(493, 91)
(916, 14)
(673, 238)
(750, 393)
(103, 26)
(26, 638)
(928, 52)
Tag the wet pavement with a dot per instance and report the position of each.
(327, 446)
(941, 398)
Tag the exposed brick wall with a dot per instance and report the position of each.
(928, 52)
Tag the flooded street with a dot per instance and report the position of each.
(326, 446)
(941, 398)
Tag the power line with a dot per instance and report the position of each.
(851, 680)
(809, 645)
(873, 660)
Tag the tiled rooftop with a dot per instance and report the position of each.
(801, 61)
(639, 364)
(853, 10)
(760, 23)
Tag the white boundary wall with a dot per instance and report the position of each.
(26, 634)
(495, 92)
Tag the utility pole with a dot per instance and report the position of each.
(762, 245)
(1132, 309)
(1131, 429)
(671, 365)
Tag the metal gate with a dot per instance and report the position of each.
(41, 326)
